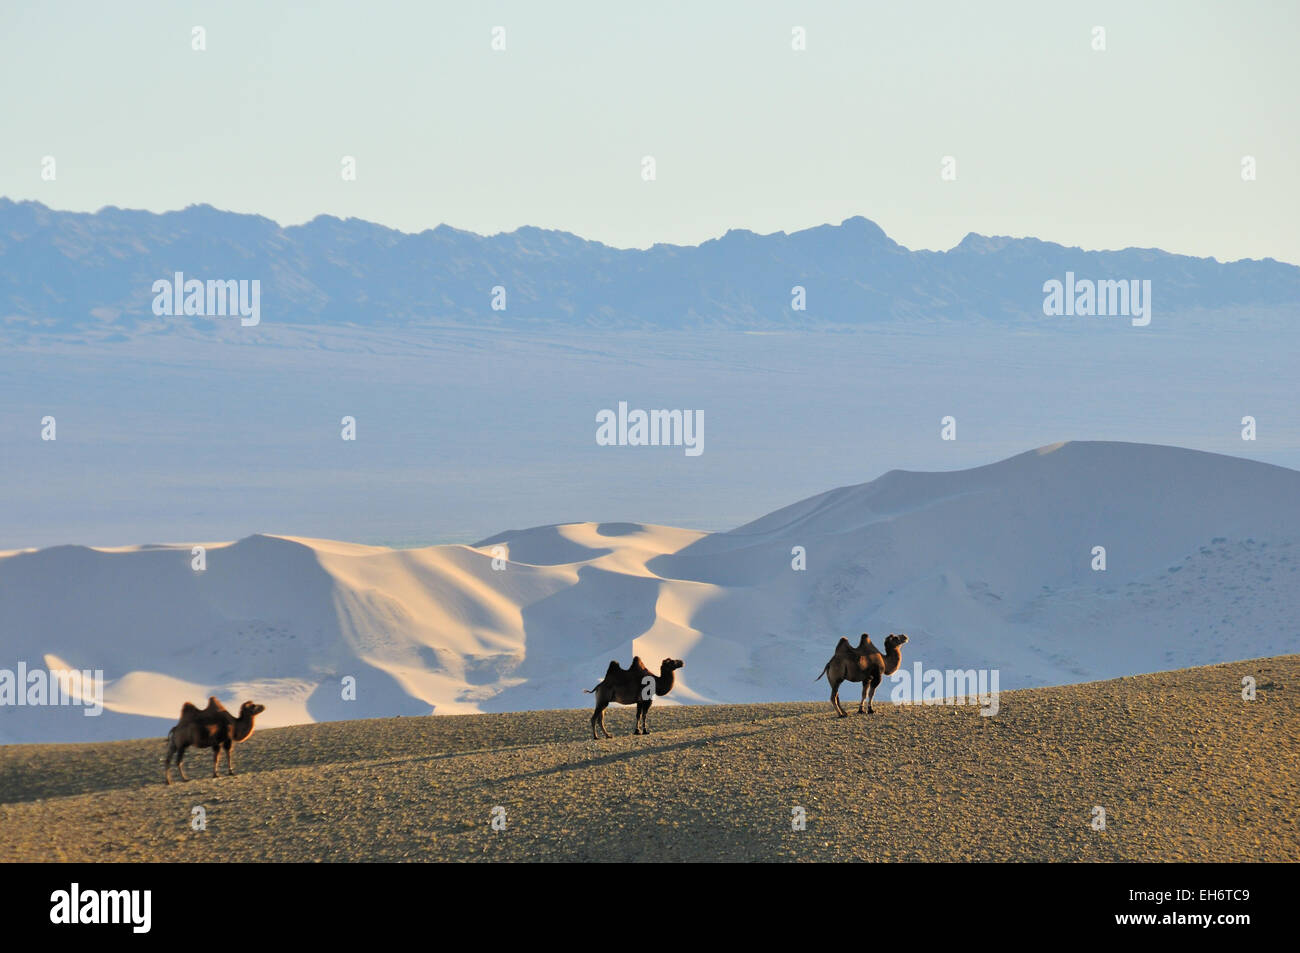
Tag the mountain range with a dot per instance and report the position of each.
(71, 271)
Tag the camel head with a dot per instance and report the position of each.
(249, 709)
(894, 642)
(670, 665)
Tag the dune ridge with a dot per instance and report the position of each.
(987, 568)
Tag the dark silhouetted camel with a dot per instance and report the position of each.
(212, 727)
(636, 685)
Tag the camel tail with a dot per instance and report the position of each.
(591, 691)
(823, 672)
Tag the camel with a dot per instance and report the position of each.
(631, 686)
(212, 727)
(864, 664)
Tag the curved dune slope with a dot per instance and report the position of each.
(990, 568)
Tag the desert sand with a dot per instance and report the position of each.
(1184, 767)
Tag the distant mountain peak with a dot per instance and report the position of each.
(860, 223)
(63, 272)
(981, 244)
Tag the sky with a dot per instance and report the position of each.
(1139, 144)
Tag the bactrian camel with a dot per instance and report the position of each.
(212, 727)
(635, 685)
(863, 664)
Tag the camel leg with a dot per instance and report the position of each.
(598, 718)
(874, 682)
(180, 756)
(230, 749)
(642, 711)
(835, 698)
(862, 704)
(167, 765)
(216, 756)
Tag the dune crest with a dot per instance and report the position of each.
(987, 568)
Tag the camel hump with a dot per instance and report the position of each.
(215, 710)
(847, 648)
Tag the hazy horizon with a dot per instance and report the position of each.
(702, 241)
(1139, 144)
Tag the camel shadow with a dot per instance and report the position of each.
(615, 757)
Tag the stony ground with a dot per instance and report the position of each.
(1183, 766)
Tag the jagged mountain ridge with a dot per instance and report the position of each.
(60, 271)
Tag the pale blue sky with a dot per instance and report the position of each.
(1137, 145)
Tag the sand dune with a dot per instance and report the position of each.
(987, 568)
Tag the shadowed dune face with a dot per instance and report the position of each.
(1184, 766)
(545, 546)
(619, 529)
